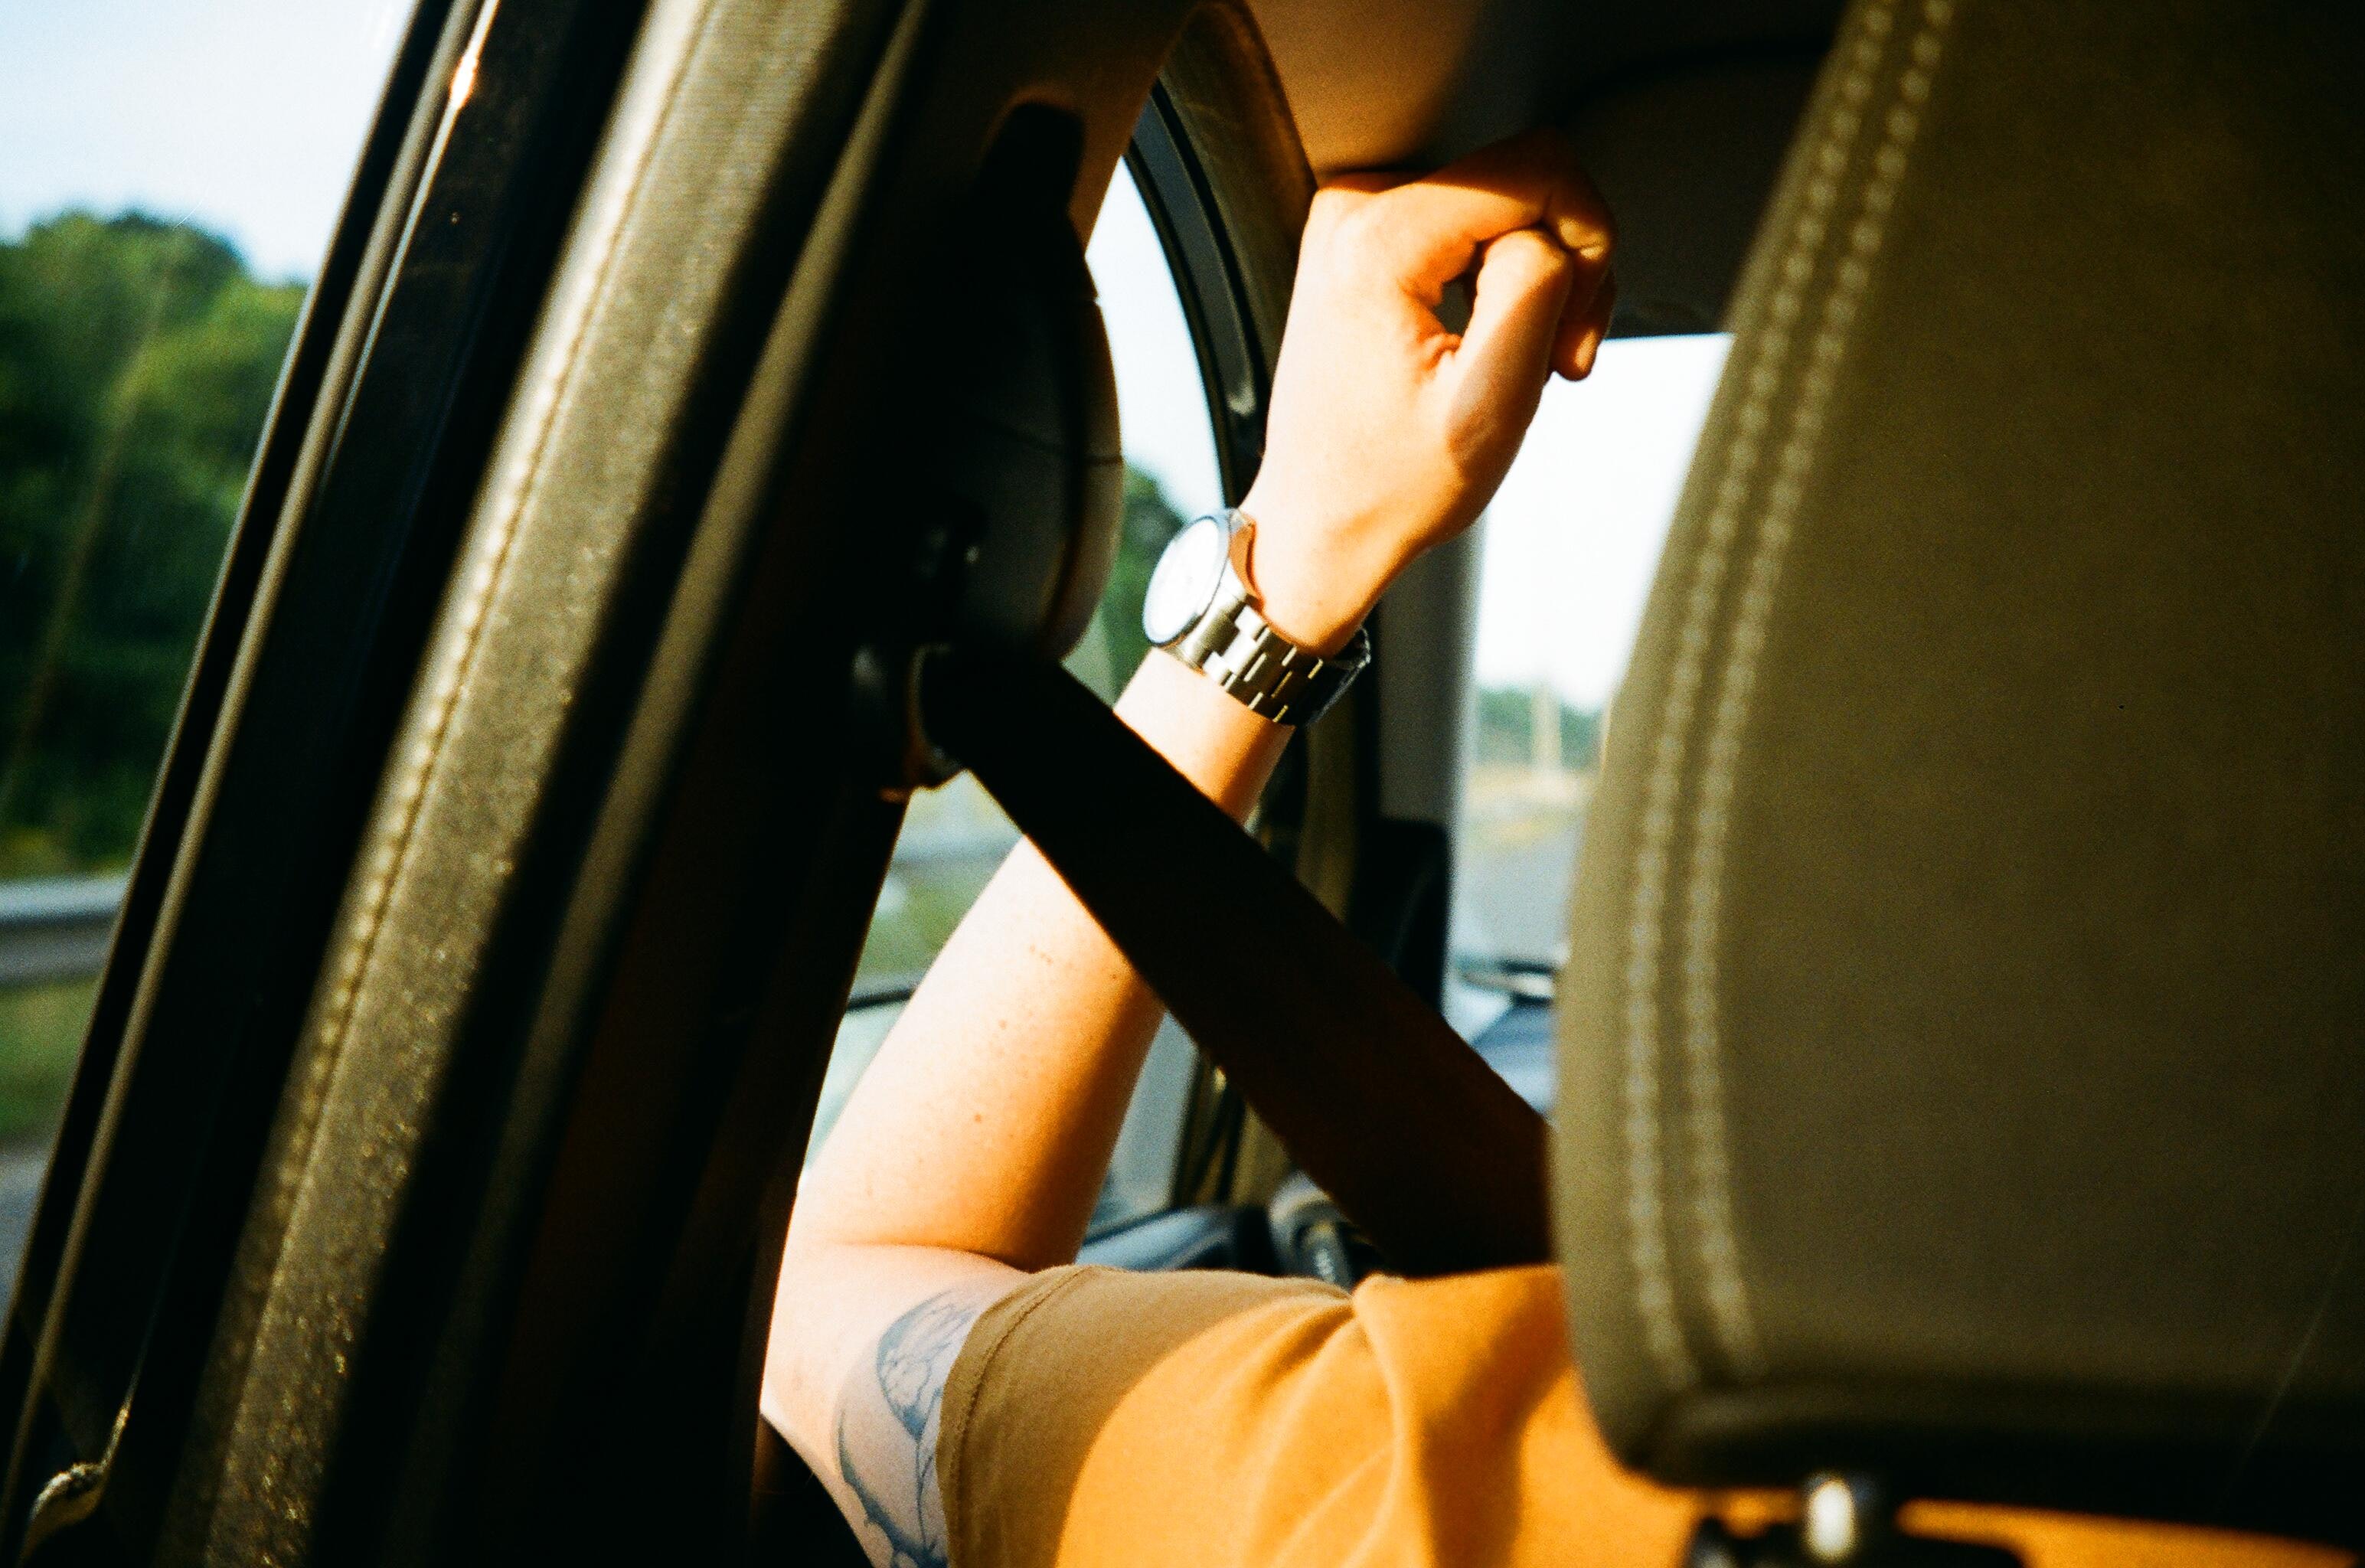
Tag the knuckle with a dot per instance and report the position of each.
(1357, 231)
(1334, 213)
(1532, 247)
(1525, 254)
(1330, 203)
(1596, 212)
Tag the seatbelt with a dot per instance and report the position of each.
(1376, 1098)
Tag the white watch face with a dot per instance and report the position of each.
(1186, 580)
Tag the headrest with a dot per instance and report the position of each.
(1963, 1041)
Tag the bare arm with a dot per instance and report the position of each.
(971, 1153)
(1030, 1005)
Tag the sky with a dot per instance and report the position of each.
(242, 114)
(245, 117)
(1569, 546)
(1161, 412)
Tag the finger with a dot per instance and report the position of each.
(1583, 323)
(1523, 284)
(1437, 223)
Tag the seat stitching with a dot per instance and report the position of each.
(1713, 1201)
(510, 502)
(454, 655)
(1645, 1215)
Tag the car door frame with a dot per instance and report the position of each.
(409, 335)
(539, 1307)
(680, 896)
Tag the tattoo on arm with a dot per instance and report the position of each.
(886, 1429)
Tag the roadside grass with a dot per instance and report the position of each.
(40, 1035)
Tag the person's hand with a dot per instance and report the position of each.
(1387, 433)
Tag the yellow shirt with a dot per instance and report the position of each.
(1220, 1419)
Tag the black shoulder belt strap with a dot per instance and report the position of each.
(1377, 1099)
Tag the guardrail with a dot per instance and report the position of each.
(56, 929)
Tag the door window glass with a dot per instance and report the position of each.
(1568, 549)
(955, 836)
(169, 176)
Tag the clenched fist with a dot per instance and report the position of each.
(1388, 433)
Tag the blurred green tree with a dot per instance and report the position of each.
(1151, 520)
(1506, 730)
(137, 362)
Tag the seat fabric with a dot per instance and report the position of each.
(1962, 1042)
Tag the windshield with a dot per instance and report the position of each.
(1567, 551)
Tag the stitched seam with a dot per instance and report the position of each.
(1712, 1200)
(391, 854)
(987, 1354)
(1647, 1242)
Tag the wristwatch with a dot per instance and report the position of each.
(1200, 609)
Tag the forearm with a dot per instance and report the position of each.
(986, 1122)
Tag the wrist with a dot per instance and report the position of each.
(1310, 585)
(1210, 736)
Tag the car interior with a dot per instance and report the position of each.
(701, 515)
